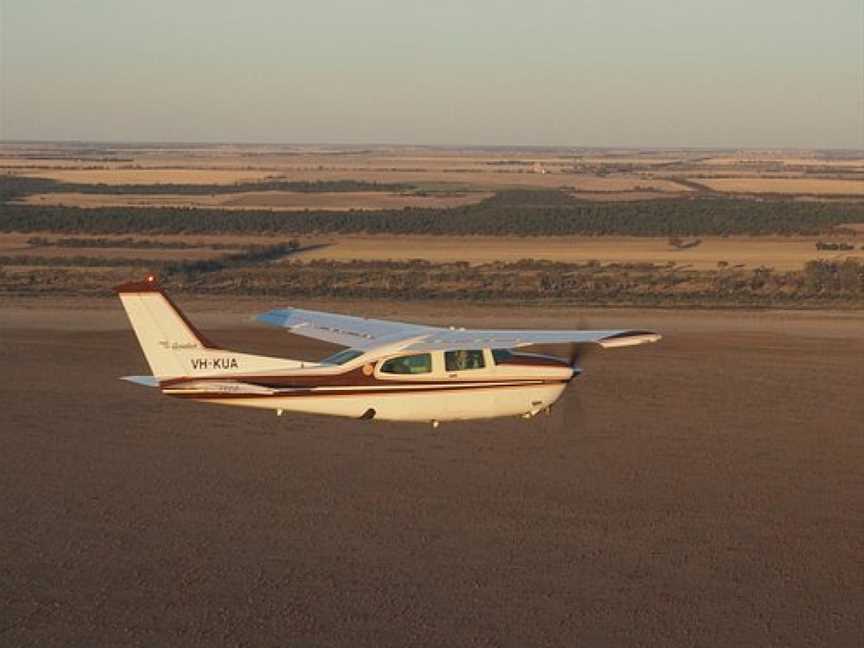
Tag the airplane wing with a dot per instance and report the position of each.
(363, 333)
(356, 332)
(446, 339)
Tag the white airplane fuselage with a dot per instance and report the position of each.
(520, 385)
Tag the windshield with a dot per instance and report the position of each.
(501, 355)
(346, 355)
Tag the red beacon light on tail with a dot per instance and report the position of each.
(150, 283)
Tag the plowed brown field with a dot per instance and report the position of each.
(709, 493)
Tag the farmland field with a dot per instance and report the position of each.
(719, 506)
(715, 507)
(788, 253)
(625, 226)
(787, 185)
(598, 174)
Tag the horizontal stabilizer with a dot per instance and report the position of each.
(147, 381)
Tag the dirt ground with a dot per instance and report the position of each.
(779, 253)
(786, 185)
(705, 491)
(280, 200)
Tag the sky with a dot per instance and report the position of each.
(620, 73)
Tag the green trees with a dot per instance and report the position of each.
(519, 212)
(18, 186)
(827, 277)
(494, 217)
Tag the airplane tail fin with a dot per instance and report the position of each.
(173, 346)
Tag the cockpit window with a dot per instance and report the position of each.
(340, 358)
(411, 364)
(462, 360)
(501, 355)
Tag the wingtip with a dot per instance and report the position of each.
(630, 338)
(146, 381)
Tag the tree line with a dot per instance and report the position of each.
(648, 284)
(532, 213)
(125, 243)
(249, 256)
(819, 283)
(252, 255)
(16, 187)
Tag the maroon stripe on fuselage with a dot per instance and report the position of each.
(306, 393)
(345, 378)
(357, 377)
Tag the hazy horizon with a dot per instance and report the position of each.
(420, 145)
(590, 74)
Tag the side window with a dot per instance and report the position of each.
(501, 355)
(462, 360)
(411, 364)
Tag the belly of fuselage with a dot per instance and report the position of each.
(415, 405)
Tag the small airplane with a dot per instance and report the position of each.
(389, 371)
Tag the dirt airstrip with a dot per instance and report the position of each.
(705, 491)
